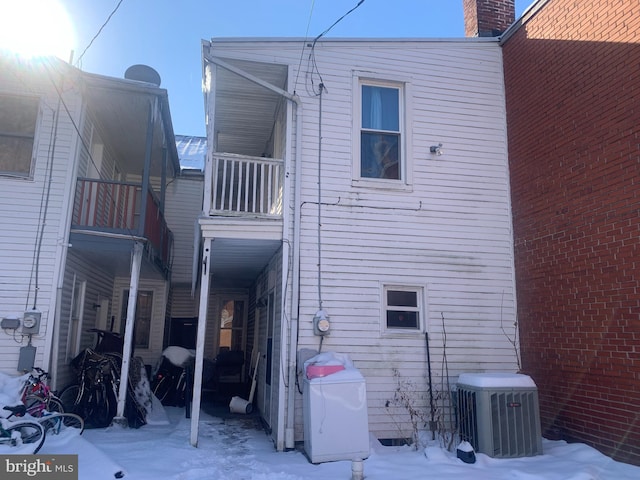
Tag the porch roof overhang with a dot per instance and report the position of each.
(241, 248)
(112, 252)
(122, 109)
(245, 111)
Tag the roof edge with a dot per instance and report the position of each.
(528, 14)
(349, 40)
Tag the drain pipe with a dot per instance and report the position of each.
(295, 290)
(295, 282)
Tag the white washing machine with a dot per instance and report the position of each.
(336, 426)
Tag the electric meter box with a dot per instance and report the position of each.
(31, 322)
(10, 323)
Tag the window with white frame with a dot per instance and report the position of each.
(381, 125)
(403, 308)
(18, 118)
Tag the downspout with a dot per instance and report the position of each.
(295, 293)
(295, 290)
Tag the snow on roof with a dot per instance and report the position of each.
(496, 380)
(192, 152)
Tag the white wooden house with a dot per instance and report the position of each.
(367, 179)
(85, 161)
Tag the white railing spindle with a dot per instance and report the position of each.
(242, 185)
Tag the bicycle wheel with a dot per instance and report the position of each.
(162, 388)
(55, 405)
(55, 422)
(99, 408)
(29, 433)
(69, 398)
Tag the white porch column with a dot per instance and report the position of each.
(202, 330)
(136, 261)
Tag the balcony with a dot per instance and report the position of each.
(241, 185)
(113, 209)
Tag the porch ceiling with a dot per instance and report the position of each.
(244, 111)
(110, 254)
(238, 262)
(120, 109)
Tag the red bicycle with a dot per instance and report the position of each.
(38, 397)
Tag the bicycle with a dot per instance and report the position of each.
(55, 422)
(15, 433)
(37, 396)
(94, 398)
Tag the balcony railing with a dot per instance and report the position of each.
(242, 185)
(114, 207)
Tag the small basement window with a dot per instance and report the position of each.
(403, 307)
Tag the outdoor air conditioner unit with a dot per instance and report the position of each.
(498, 414)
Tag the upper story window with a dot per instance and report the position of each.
(18, 117)
(381, 131)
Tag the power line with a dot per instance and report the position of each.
(312, 55)
(336, 22)
(306, 33)
(100, 31)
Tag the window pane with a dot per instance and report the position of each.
(380, 108)
(399, 319)
(379, 156)
(226, 315)
(18, 117)
(238, 314)
(142, 322)
(143, 318)
(15, 154)
(400, 298)
(231, 325)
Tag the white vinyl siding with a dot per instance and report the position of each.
(183, 206)
(447, 230)
(99, 285)
(28, 238)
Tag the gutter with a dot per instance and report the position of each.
(295, 295)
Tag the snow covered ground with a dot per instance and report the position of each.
(228, 449)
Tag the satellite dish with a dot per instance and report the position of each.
(143, 73)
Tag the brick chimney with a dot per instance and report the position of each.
(487, 18)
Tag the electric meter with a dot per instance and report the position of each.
(31, 322)
(321, 324)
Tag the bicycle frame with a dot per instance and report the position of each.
(21, 432)
(36, 394)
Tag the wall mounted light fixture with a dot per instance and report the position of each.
(437, 149)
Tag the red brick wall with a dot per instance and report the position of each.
(487, 18)
(572, 75)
